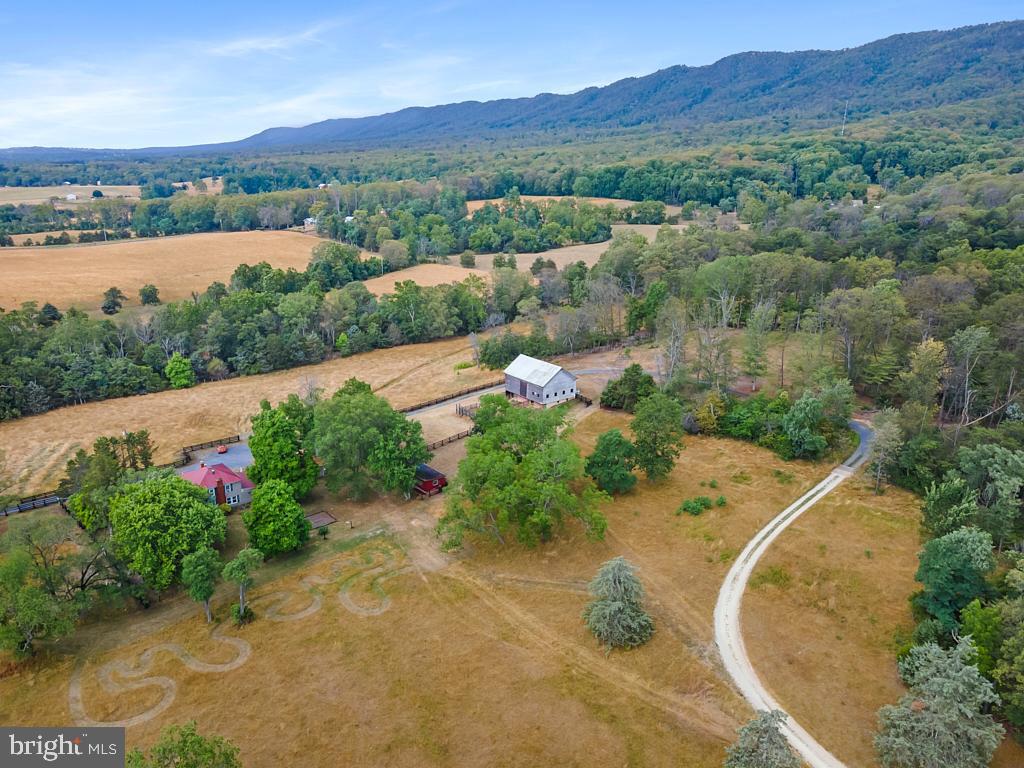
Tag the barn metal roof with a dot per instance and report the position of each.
(534, 371)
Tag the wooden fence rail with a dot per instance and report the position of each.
(451, 396)
(449, 439)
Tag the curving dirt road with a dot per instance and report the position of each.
(728, 633)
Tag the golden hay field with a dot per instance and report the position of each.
(79, 274)
(422, 274)
(588, 253)
(16, 195)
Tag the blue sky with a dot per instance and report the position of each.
(114, 74)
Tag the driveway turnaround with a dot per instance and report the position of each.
(728, 632)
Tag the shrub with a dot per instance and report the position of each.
(629, 389)
(695, 506)
(241, 617)
(720, 501)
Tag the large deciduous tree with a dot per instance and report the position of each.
(158, 521)
(611, 464)
(274, 521)
(363, 442)
(182, 746)
(519, 477)
(629, 389)
(199, 572)
(278, 446)
(953, 570)
(658, 435)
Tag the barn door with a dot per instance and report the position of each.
(522, 388)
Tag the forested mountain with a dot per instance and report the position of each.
(772, 90)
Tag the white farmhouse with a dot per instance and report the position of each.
(539, 382)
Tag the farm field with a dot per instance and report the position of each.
(841, 576)
(16, 195)
(490, 626)
(588, 253)
(422, 274)
(77, 275)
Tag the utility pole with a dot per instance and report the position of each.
(842, 130)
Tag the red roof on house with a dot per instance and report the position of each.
(206, 476)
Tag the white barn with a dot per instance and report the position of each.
(539, 381)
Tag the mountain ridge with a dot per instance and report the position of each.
(899, 73)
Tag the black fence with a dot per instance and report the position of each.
(188, 449)
(450, 439)
(584, 399)
(451, 396)
(38, 501)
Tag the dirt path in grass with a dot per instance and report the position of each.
(728, 632)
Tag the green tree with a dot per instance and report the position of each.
(362, 441)
(948, 505)
(277, 446)
(275, 521)
(199, 572)
(802, 425)
(28, 613)
(616, 616)
(887, 443)
(1008, 670)
(658, 432)
(158, 521)
(755, 341)
(944, 720)
(983, 624)
(629, 389)
(611, 464)
(761, 744)
(519, 477)
(113, 300)
(179, 372)
(240, 571)
(148, 294)
(953, 569)
(182, 746)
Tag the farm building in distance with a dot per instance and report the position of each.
(224, 485)
(539, 382)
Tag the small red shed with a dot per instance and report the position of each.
(429, 480)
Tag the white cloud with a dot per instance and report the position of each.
(245, 46)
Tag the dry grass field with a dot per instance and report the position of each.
(825, 607)
(16, 195)
(78, 274)
(422, 274)
(416, 655)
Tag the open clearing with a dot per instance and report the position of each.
(79, 274)
(418, 655)
(422, 274)
(834, 588)
(16, 195)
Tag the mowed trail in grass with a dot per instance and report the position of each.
(823, 612)
(478, 660)
(77, 275)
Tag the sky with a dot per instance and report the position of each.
(116, 74)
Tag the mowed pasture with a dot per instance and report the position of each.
(589, 253)
(77, 275)
(422, 274)
(35, 195)
(426, 659)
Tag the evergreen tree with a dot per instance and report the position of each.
(761, 744)
(616, 616)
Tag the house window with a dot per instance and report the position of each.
(232, 500)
